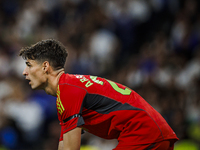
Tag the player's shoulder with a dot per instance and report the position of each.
(67, 79)
(69, 86)
(74, 80)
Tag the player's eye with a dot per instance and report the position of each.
(28, 64)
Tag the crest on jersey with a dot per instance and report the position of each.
(59, 103)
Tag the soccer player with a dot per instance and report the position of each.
(102, 107)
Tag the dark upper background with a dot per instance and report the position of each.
(152, 46)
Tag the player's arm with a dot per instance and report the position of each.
(71, 140)
(60, 145)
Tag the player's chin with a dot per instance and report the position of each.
(34, 87)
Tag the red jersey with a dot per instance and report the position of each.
(107, 109)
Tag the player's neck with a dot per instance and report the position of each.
(52, 82)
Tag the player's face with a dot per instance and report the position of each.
(34, 72)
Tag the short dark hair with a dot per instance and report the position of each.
(46, 50)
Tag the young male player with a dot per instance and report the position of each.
(100, 106)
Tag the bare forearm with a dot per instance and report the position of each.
(71, 140)
(60, 145)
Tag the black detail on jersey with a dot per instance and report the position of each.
(72, 117)
(105, 105)
(80, 121)
(151, 146)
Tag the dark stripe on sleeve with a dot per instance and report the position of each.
(105, 105)
(72, 117)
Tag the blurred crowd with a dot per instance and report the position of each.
(151, 46)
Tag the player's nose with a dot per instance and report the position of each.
(24, 72)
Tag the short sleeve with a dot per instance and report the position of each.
(69, 107)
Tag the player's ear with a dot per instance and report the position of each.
(45, 66)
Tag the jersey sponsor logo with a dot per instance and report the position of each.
(59, 103)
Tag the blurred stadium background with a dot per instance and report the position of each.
(152, 46)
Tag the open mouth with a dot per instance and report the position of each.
(29, 81)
